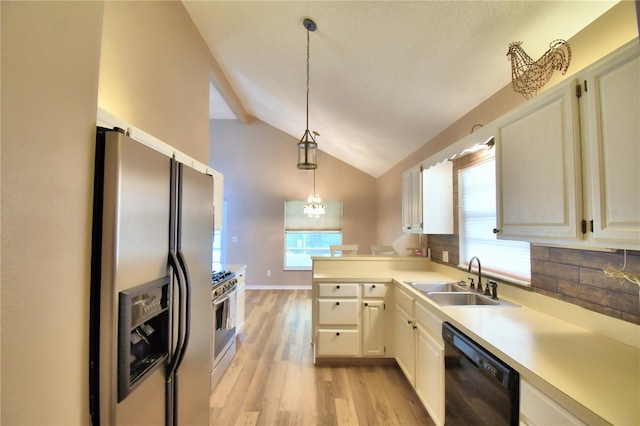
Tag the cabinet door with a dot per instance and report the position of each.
(430, 374)
(412, 201)
(538, 187)
(406, 202)
(373, 328)
(218, 200)
(612, 138)
(405, 343)
(437, 199)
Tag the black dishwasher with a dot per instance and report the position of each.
(480, 389)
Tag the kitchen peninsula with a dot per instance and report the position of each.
(585, 365)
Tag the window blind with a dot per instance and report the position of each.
(477, 197)
(296, 220)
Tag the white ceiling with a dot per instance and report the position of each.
(385, 76)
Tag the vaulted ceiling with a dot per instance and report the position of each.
(385, 76)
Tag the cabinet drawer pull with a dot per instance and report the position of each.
(373, 286)
(366, 304)
(337, 333)
(337, 287)
(409, 322)
(337, 303)
(496, 230)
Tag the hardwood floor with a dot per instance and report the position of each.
(272, 379)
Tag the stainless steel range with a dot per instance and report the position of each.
(223, 342)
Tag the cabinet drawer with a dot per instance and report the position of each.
(374, 290)
(338, 312)
(429, 321)
(338, 342)
(338, 290)
(404, 300)
(536, 408)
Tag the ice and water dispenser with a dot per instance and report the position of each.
(143, 333)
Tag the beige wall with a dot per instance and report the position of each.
(260, 174)
(154, 72)
(50, 62)
(610, 31)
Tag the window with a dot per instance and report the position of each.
(305, 237)
(477, 196)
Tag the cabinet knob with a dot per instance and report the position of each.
(338, 287)
(496, 230)
(337, 333)
(366, 304)
(373, 286)
(337, 303)
(415, 326)
(409, 322)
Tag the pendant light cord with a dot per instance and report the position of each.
(307, 80)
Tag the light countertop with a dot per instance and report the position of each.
(569, 363)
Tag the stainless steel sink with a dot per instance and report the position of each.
(439, 286)
(466, 299)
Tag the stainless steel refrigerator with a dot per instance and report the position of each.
(150, 313)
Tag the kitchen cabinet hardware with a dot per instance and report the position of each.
(496, 230)
(366, 304)
(337, 303)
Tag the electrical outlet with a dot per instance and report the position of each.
(268, 273)
(445, 256)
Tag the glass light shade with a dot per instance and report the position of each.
(307, 153)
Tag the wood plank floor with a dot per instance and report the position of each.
(272, 379)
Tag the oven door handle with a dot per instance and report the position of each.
(224, 296)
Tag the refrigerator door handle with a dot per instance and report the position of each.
(187, 312)
(175, 356)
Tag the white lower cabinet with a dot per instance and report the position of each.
(350, 319)
(430, 363)
(420, 351)
(405, 343)
(373, 313)
(536, 408)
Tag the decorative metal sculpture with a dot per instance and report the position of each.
(529, 76)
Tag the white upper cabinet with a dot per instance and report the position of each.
(437, 199)
(567, 161)
(538, 169)
(612, 142)
(412, 200)
(218, 196)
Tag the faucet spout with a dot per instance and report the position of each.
(479, 271)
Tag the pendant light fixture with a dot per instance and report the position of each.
(307, 147)
(314, 207)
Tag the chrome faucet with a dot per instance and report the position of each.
(479, 272)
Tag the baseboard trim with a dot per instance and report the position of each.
(277, 287)
(354, 361)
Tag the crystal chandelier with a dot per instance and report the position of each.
(307, 147)
(314, 207)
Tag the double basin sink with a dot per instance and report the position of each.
(455, 294)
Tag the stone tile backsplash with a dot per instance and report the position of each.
(571, 275)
